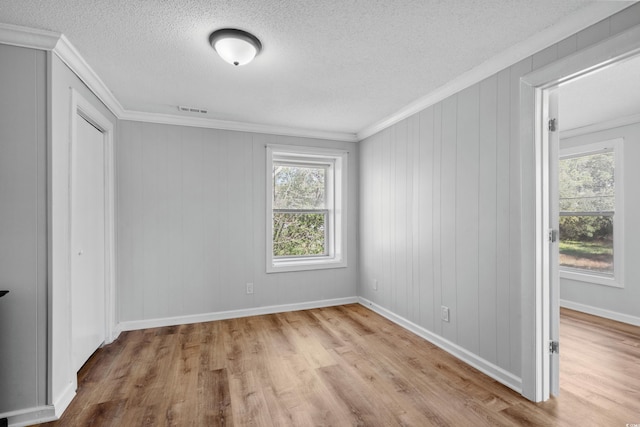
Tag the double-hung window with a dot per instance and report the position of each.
(306, 208)
(591, 213)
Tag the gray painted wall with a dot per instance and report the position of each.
(191, 224)
(440, 211)
(625, 300)
(23, 262)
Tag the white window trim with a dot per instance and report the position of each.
(337, 253)
(615, 145)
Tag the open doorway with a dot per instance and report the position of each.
(597, 217)
(540, 284)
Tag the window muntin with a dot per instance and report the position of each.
(306, 208)
(590, 213)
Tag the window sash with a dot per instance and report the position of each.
(328, 203)
(327, 248)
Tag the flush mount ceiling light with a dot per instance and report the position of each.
(235, 46)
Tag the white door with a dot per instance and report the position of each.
(554, 242)
(87, 242)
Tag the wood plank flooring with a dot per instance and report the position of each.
(341, 366)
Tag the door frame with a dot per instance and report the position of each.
(83, 108)
(535, 261)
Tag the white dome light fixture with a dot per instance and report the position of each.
(235, 46)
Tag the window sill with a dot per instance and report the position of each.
(286, 265)
(594, 279)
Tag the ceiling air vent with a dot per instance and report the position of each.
(192, 109)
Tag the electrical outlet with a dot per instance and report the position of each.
(249, 288)
(444, 313)
(375, 284)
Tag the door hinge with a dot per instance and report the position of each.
(554, 347)
(553, 235)
(553, 125)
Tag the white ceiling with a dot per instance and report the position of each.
(327, 65)
(606, 95)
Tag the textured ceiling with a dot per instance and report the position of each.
(330, 65)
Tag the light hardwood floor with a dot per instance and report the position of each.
(342, 366)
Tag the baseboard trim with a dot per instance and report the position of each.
(488, 368)
(231, 314)
(30, 416)
(601, 312)
(64, 399)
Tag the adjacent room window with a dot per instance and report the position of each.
(306, 208)
(591, 213)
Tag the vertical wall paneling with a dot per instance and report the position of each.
(467, 223)
(413, 244)
(487, 217)
(515, 329)
(174, 288)
(385, 203)
(193, 220)
(424, 223)
(22, 229)
(448, 236)
(502, 193)
(370, 217)
(212, 200)
(156, 182)
(401, 207)
(437, 216)
(129, 220)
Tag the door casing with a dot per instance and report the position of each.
(81, 109)
(536, 260)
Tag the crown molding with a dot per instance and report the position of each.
(568, 27)
(16, 35)
(598, 127)
(72, 58)
(170, 119)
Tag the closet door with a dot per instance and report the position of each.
(87, 242)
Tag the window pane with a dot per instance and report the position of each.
(587, 183)
(586, 242)
(298, 234)
(298, 187)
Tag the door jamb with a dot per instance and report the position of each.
(535, 261)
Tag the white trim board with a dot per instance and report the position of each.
(133, 325)
(484, 366)
(601, 312)
(30, 416)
